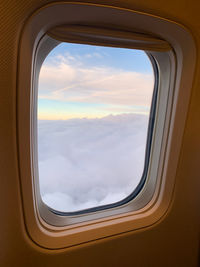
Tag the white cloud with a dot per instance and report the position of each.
(67, 79)
(92, 55)
(90, 162)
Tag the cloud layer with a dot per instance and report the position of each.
(85, 163)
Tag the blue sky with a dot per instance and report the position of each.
(78, 81)
(121, 58)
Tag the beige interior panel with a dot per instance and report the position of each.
(173, 241)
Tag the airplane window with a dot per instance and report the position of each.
(99, 127)
(94, 110)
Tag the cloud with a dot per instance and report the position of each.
(66, 78)
(85, 163)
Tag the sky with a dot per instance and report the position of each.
(82, 81)
(93, 113)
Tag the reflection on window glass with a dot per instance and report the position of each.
(93, 112)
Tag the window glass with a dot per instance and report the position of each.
(93, 113)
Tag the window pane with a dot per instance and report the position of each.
(93, 113)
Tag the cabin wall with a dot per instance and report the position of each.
(173, 241)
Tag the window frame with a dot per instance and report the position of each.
(136, 200)
(45, 45)
(50, 230)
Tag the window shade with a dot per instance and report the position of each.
(107, 37)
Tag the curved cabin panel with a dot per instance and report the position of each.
(156, 225)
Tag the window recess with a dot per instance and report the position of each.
(53, 203)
